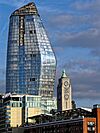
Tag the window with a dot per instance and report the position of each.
(66, 104)
(32, 79)
(33, 55)
(31, 32)
(34, 31)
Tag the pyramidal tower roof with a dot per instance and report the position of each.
(30, 8)
(64, 74)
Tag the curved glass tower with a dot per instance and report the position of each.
(31, 62)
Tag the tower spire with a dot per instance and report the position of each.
(64, 74)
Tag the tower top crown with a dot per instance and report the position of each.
(64, 74)
(30, 8)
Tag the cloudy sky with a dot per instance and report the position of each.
(73, 27)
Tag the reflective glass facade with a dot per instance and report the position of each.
(31, 62)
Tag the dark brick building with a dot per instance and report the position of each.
(69, 121)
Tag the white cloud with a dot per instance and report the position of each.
(83, 39)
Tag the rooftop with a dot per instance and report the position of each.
(30, 8)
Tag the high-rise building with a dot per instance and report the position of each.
(31, 62)
(64, 93)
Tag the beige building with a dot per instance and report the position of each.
(15, 109)
(64, 93)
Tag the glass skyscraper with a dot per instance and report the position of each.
(31, 62)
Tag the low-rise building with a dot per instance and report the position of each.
(15, 109)
(69, 121)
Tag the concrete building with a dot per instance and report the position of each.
(15, 109)
(31, 62)
(64, 93)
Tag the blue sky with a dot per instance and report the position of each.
(73, 27)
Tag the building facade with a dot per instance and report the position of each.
(64, 93)
(96, 113)
(15, 109)
(80, 125)
(48, 104)
(69, 121)
(31, 62)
